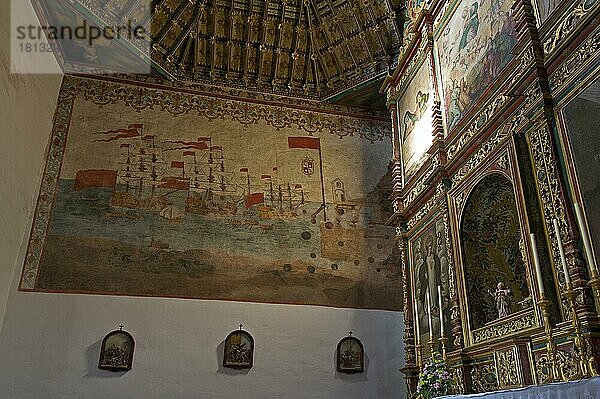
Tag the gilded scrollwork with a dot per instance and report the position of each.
(508, 368)
(504, 328)
(584, 54)
(458, 380)
(569, 22)
(566, 364)
(495, 141)
(484, 377)
(548, 185)
(478, 124)
(503, 163)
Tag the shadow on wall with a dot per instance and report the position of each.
(92, 354)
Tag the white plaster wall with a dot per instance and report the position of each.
(27, 103)
(50, 343)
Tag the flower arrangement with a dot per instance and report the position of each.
(434, 379)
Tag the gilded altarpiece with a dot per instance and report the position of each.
(415, 116)
(500, 134)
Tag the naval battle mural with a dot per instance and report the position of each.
(154, 203)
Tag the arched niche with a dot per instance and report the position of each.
(239, 350)
(116, 352)
(490, 242)
(350, 355)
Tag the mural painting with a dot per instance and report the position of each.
(415, 120)
(151, 204)
(430, 267)
(473, 48)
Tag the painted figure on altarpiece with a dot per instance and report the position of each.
(431, 271)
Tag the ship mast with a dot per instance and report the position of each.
(280, 198)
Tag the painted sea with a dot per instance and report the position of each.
(94, 247)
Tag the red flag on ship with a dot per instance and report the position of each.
(275, 169)
(265, 177)
(204, 139)
(177, 164)
(175, 183)
(254, 199)
(186, 145)
(298, 186)
(244, 170)
(186, 153)
(119, 134)
(95, 178)
(313, 143)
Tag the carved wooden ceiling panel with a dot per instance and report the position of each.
(307, 48)
(311, 48)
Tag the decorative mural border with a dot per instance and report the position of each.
(176, 103)
(219, 91)
(47, 192)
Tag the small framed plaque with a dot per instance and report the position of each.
(350, 355)
(116, 353)
(239, 350)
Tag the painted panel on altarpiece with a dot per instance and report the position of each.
(473, 48)
(149, 203)
(415, 120)
(544, 8)
(582, 118)
(414, 8)
(430, 268)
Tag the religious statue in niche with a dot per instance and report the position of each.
(502, 297)
(239, 350)
(350, 355)
(430, 262)
(116, 353)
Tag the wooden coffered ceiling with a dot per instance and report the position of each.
(314, 49)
